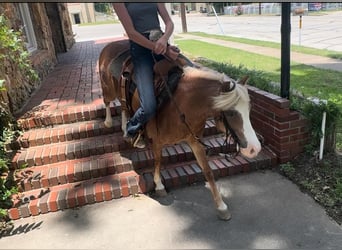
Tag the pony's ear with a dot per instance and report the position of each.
(244, 80)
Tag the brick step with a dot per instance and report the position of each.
(117, 185)
(93, 166)
(39, 117)
(75, 131)
(77, 148)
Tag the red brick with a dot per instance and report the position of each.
(116, 187)
(111, 166)
(182, 175)
(133, 185)
(98, 192)
(244, 164)
(78, 150)
(198, 171)
(80, 196)
(102, 166)
(33, 206)
(54, 154)
(39, 138)
(223, 169)
(89, 193)
(190, 173)
(85, 148)
(32, 138)
(46, 155)
(61, 199)
(52, 202)
(70, 172)
(214, 168)
(93, 169)
(124, 186)
(46, 136)
(172, 154)
(71, 198)
(83, 130)
(107, 193)
(61, 135)
(21, 158)
(13, 213)
(78, 171)
(141, 183)
(30, 157)
(167, 180)
(149, 158)
(43, 204)
(90, 129)
(54, 136)
(24, 211)
(188, 152)
(62, 174)
(174, 177)
(53, 174)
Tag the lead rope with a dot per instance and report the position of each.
(181, 114)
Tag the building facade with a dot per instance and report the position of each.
(47, 31)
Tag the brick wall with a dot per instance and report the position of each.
(285, 131)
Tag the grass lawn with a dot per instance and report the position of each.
(295, 48)
(311, 81)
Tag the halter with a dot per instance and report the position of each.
(230, 133)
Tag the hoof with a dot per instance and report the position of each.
(224, 214)
(108, 124)
(161, 193)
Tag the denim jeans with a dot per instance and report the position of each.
(143, 62)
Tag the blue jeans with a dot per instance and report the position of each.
(143, 63)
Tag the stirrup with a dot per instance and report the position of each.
(138, 140)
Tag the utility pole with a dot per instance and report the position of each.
(183, 18)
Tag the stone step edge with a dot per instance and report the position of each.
(114, 162)
(76, 131)
(66, 115)
(125, 184)
(59, 152)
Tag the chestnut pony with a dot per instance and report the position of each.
(201, 94)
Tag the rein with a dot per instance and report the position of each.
(181, 114)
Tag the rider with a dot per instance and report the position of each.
(140, 21)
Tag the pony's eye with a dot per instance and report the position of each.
(230, 113)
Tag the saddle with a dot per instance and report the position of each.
(166, 76)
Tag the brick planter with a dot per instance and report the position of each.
(285, 131)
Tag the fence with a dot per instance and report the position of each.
(274, 8)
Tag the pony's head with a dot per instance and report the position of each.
(234, 106)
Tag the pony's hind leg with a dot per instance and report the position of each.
(199, 152)
(160, 188)
(108, 121)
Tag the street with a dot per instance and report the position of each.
(318, 31)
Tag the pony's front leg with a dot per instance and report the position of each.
(160, 188)
(199, 152)
(108, 121)
(124, 119)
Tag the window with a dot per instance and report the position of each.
(29, 36)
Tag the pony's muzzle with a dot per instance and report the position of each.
(251, 150)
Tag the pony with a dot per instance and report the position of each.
(201, 94)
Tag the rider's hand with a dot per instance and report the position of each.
(160, 46)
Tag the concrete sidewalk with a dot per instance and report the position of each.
(268, 211)
(313, 60)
